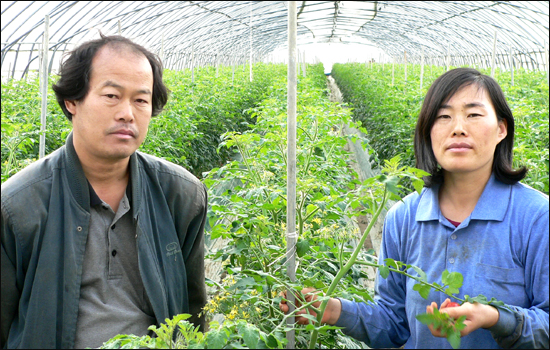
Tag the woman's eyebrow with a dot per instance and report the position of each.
(467, 105)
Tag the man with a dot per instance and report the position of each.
(97, 238)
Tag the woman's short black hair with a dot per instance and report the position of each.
(75, 72)
(439, 93)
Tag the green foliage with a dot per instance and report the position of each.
(448, 326)
(247, 203)
(177, 333)
(389, 112)
(197, 114)
(248, 208)
(21, 105)
(186, 133)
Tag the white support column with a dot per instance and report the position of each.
(304, 64)
(233, 74)
(393, 72)
(546, 62)
(291, 236)
(421, 69)
(44, 87)
(217, 64)
(494, 56)
(250, 30)
(512, 65)
(161, 48)
(405, 60)
(119, 28)
(192, 63)
(448, 57)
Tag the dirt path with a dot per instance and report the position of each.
(360, 163)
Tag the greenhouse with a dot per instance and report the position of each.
(275, 174)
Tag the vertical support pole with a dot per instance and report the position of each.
(546, 62)
(217, 64)
(233, 74)
(119, 28)
(161, 48)
(304, 62)
(494, 56)
(405, 59)
(421, 69)
(232, 59)
(448, 57)
(512, 65)
(192, 63)
(393, 72)
(250, 29)
(291, 235)
(44, 87)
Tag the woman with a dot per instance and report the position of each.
(473, 217)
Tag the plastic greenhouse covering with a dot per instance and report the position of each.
(230, 32)
(35, 35)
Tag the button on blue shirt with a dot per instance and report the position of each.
(501, 250)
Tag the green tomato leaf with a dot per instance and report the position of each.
(302, 247)
(251, 336)
(216, 339)
(391, 263)
(319, 284)
(453, 337)
(459, 323)
(272, 342)
(242, 283)
(426, 319)
(452, 279)
(423, 289)
(418, 185)
(384, 271)
(420, 273)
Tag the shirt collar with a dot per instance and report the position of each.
(95, 200)
(492, 205)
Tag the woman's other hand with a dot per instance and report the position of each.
(477, 316)
(332, 311)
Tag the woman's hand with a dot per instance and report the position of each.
(332, 311)
(477, 316)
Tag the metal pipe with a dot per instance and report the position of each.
(421, 69)
(494, 53)
(512, 65)
(44, 87)
(291, 235)
(250, 30)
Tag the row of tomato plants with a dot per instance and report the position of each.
(389, 111)
(187, 132)
(247, 209)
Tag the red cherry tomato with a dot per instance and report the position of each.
(453, 304)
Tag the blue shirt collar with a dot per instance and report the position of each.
(492, 205)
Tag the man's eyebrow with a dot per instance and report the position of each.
(120, 87)
(467, 105)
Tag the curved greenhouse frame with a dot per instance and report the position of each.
(187, 33)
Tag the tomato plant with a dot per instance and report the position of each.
(187, 132)
(389, 112)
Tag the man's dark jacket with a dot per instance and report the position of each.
(45, 222)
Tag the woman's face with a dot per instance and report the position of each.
(466, 132)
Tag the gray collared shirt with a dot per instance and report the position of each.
(112, 296)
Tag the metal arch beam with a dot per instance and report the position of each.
(209, 24)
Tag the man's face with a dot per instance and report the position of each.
(112, 120)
